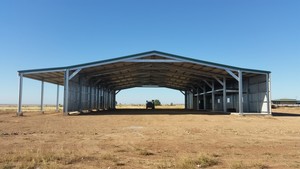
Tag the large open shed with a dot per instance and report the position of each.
(205, 85)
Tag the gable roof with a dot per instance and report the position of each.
(147, 68)
(143, 54)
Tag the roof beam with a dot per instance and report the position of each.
(153, 61)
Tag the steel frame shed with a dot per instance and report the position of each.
(205, 85)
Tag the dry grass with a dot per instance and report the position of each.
(198, 162)
(149, 140)
(241, 165)
(36, 158)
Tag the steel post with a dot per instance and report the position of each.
(240, 92)
(224, 95)
(20, 113)
(80, 94)
(185, 100)
(268, 83)
(66, 92)
(114, 99)
(57, 98)
(42, 96)
(204, 98)
(197, 98)
(213, 96)
(90, 97)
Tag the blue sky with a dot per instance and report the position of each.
(258, 34)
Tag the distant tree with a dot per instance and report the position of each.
(157, 102)
(171, 104)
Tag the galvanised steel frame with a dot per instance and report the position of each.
(95, 85)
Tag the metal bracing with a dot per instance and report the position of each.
(117, 92)
(20, 113)
(240, 92)
(219, 80)
(42, 97)
(57, 98)
(74, 73)
(66, 91)
(208, 83)
(224, 95)
(232, 74)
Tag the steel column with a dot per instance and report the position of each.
(204, 97)
(80, 93)
(90, 97)
(213, 96)
(66, 92)
(97, 97)
(185, 100)
(111, 99)
(192, 99)
(57, 98)
(197, 98)
(114, 100)
(224, 95)
(104, 99)
(42, 96)
(268, 93)
(20, 113)
(240, 92)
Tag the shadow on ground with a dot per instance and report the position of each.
(152, 112)
(285, 114)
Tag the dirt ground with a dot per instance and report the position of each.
(150, 139)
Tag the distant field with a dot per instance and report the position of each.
(180, 106)
(26, 108)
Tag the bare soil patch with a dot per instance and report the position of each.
(149, 139)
